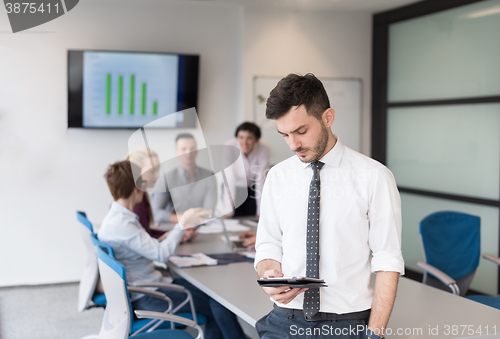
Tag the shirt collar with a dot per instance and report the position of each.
(122, 209)
(332, 158)
(184, 173)
(252, 152)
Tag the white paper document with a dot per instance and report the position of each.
(231, 238)
(197, 259)
(232, 225)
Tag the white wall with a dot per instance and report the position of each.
(328, 44)
(47, 171)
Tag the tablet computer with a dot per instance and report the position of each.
(293, 282)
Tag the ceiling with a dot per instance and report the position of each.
(372, 6)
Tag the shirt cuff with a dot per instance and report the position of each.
(389, 261)
(177, 232)
(267, 251)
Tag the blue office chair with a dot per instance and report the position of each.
(486, 299)
(118, 316)
(451, 246)
(143, 324)
(96, 242)
(87, 296)
(82, 217)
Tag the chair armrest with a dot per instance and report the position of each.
(154, 294)
(492, 258)
(179, 288)
(164, 316)
(151, 293)
(443, 277)
(167, 286)
(169, 317)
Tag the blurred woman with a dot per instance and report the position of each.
(148, 162)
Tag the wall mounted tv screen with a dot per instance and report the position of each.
(108, 89)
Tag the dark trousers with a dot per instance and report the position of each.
(249, 206)
(278, 325)
(221, 323)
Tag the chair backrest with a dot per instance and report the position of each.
(90, 275)
(451, 243)
(105, 247)
(82, 217)
(116, 322)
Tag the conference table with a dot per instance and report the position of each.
(420, 311)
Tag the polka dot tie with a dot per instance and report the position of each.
(311, 296)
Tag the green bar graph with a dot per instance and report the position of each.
(132, 91)
(143, 98)
(108, 95)
(120, 94)
(120, 97)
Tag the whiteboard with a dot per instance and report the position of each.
(345, 99)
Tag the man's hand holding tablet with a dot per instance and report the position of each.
(282, 294)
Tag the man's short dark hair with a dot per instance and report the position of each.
(184, 136)
(296, 90)
(120, 179)
(250, 127)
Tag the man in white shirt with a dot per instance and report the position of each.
(250, 179)
(357, 232)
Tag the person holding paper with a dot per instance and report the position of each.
(136, 250)
(327, 212)
(248, 239)
(195, 186)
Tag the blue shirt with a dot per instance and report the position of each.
(182, 195)
(134, 248)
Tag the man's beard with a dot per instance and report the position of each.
(320, 146)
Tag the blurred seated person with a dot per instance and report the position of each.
(256, 162)
(147, 160)
(249, 239)
(136, 251)
(194, 186)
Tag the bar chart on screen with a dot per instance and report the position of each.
(121, 89)
(114, 96)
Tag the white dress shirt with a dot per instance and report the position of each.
(360, 225)
(134, 248)
(256, 164)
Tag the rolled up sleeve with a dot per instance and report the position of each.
(385, 224)
(142, 243)
(269, 236)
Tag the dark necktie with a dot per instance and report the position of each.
(311, 296)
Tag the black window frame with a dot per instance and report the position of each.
(380, 103)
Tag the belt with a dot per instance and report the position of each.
(322, 316)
